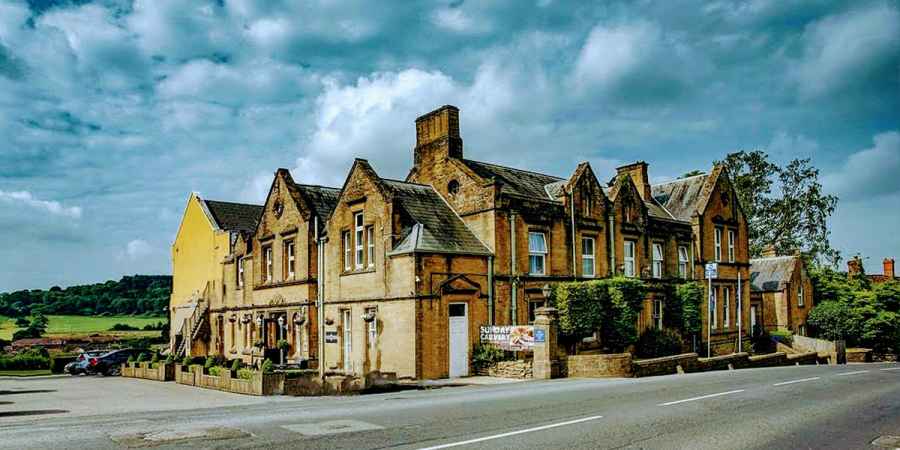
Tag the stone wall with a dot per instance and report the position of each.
(689, 362)
(520, 369)
(859, 355)
(162, 372)
(666, 365)
(726, 362)
(259, 384)
(808, 344)
(598, 366)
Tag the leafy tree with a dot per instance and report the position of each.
(138, 294)
(786, 207)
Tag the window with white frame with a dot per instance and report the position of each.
(348, 253)
(800, 299)
(657, 313)
(726, 302)
(240, 272)
(290, 259)
(348, 340)
(268, 262)
(657, 260)
(587, 256)
(360, 254)
(372, 327)
(370, 245)
(537, 253)
(682, 261)
(730, 245)
(713, 308)
(718, 246)
(630, 258)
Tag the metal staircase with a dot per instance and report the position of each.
(196, 325)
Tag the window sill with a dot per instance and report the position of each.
(358, 271)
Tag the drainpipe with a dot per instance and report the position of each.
(320, 296)
(612, 245)
(513, 309)
(490, 287)
(572, 209)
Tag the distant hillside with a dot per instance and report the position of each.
(138, 294)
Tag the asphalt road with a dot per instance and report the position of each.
(816, 407)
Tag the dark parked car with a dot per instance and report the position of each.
(80, 364)
(110, 363)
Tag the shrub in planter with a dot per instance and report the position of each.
(215, 370)
(267, 366)
(236, 365)
(131, 359)
(155, 358)
(245, 374)
(209, 363)
(186, 361)
(140, 358)
(656, 343)
(283, 344)
(170, 359)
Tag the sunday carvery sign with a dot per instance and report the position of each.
(512, 337)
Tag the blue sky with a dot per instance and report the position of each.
(112, 112)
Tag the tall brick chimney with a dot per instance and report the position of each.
(638, 173)
(437, 135)
(889, 268)
(854, 266)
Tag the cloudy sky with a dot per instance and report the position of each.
(112, 112)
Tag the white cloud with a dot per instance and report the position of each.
(871, 172)
(612, 52)
(137, 249)
(458, 20)
(841, 50)
(787, 146)
(49, 206)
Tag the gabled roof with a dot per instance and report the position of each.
(321, 199)
(231, 216)
(435, 227)
(771, 274)
(680, 197)
(515, 182)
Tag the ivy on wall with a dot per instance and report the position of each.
(609, 306)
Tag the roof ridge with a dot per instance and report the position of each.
(394, 180)
(317, 186)
(515, 168)
(678, 180)
(233, 203)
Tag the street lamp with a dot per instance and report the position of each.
(546, 290)
(281, 335)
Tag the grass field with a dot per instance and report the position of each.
(82, 325)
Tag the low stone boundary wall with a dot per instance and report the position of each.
(725, 362)
(666, 365)
(808, 344)
(769, 360)
(808, 358)
(162, 372)
(259, 384)
(598, 366)
(859, 355)
(305, 383)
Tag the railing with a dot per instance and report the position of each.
(192, 324)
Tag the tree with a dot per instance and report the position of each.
(786, 207)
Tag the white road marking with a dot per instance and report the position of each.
(796, 381)
(513, 433)
(892, 368)
(851, 373)
(700, 398)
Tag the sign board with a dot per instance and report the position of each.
(712, 270)
(539, 337)
(508, 337)
(331, 337)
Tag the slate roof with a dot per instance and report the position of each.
(556, 189)
(516, 182)
(321, 199)
(435, 228)
(680, 197)
(771, 274)
(231, 216)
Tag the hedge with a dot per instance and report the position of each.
(24, 361)
(609, 306)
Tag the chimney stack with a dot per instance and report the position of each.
(638, 173)
(437, 135)
(889, 268)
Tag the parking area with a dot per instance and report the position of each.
(27, 399)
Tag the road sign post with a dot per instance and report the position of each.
(712, 271)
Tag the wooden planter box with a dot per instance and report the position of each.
(260, 384)
(162, 372)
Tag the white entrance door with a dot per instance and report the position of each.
(459, 340)
(752, 318)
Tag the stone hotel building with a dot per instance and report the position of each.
(397, 276)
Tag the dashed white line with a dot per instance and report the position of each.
(513, 433)
(700, 398)
(851, 373)
(796, 381)
(892, 368)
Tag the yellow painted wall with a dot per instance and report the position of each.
(197, 254)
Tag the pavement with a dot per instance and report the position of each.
(855, 406)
